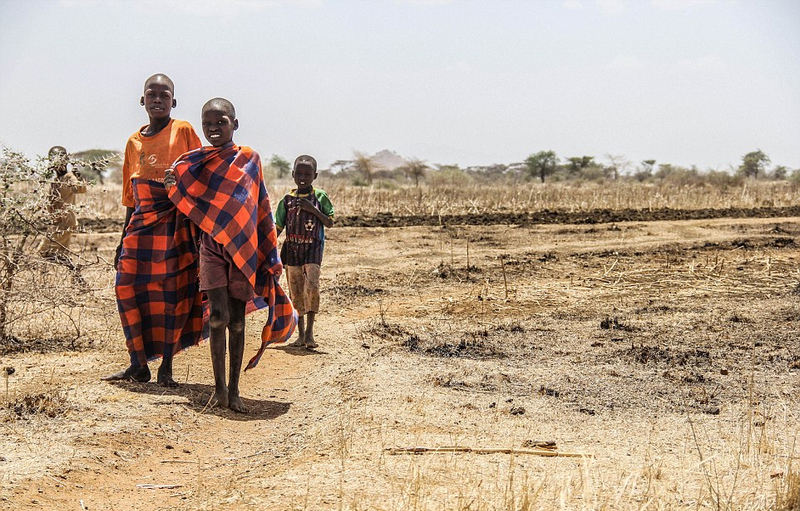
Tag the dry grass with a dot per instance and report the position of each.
(481, 198)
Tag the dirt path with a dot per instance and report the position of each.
(422, 346)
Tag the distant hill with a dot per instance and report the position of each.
(388, 160)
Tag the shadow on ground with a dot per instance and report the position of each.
(198, 394)
(299, 352)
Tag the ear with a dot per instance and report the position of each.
(235, 124)
(141, 101)
(174, 102)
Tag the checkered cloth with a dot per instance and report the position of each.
(221, 190)
(158, 296)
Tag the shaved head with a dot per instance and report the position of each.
(160, 78)
(56, 150)
(221, 105)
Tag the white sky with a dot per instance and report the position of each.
(470, 82)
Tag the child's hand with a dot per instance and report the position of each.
(306, 205)
(169, 179)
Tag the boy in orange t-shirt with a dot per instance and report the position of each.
(155, 259)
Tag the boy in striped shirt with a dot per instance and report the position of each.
(303, 214)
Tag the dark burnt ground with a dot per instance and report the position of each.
(597, 216)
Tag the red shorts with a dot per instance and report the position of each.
(217, 270)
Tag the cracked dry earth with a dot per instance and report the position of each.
(665, 352)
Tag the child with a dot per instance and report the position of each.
(304, 213)
(65, 186)
(220, 189)
(158, 298)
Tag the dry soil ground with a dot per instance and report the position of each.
(665, 351)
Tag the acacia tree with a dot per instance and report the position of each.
(364, 165)
(415, 169)
(754, 163)
(281, 165)
(31, 288)
(542, 164)
(578, 163)
(617, 164)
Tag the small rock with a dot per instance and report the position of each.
(712, 410)
(548, 392)
(723, 372)
(9, 370)
(492, 405)
(168, 447)
(587, 411)
(517, 410)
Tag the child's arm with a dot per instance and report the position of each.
(307, 205)
(280, 217)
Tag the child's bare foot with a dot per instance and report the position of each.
(299, 343)
(165, 380)
(132, 373)
(164, 377)
(220, 398)
(310, 343)
(235, 403)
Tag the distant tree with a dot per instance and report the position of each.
(415, 169)
(578, 163)
(617, 164)
(780, 173)
(754, 163)
(92, 164)
(364, 165)
(450, 167)
(282, 166)
(645, 171)
(341, 166)
(542, 164)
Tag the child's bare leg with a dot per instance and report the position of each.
(301, 333)
(310, 344)
(218, 321)
(236, 343)
(164, 377)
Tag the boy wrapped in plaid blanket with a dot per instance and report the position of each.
(221, 191)
(159, 301)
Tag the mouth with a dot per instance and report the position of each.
(214, 136)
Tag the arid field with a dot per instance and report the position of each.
(646, 335)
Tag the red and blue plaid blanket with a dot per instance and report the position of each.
(158, 297)
(221, 190)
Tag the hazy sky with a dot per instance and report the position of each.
(470, 82)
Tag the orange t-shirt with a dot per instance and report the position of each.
(150, 157)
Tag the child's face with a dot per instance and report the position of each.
(218, 127)
(158, 100)
(303, 176)
(58, 158)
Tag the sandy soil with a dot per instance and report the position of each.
(665, 351)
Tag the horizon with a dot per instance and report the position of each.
(685, 82)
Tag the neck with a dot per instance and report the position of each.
(155, 126)
(306, 189)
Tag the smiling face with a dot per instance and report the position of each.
(218, 126)
(158, 99)
(303, 176)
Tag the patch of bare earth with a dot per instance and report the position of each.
(664, 352)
